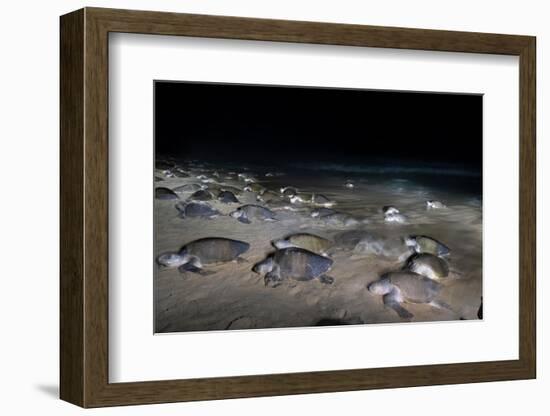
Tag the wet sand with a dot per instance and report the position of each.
(235, 297)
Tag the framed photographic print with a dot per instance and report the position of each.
(260, 207)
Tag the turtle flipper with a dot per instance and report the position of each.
(241, 260)
(441, 305)
(273, 278)
(194, 266)
(327, 280)
(391, 301)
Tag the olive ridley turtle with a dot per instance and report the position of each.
(205, 251)
(428, 265)
(406, 286)
(306, 241)
(424, 244)
(248, 212)
(294, 263)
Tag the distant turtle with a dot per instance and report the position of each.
(428, 265)
(194, 255)
(197, 210)
(390, 209)
(389, 247)
(248, 212)
(254, 187)
(165, 193)
(178, 173)
(234, 189)
(395, 218)
(294, 263)
(289, 191)
(188, 187)
(321, 201)
(246, 177)
(340, 219)
(406, 286)
(349, 239)
(213, 188)
(424, 244)
(268, 196)
(435, 205)
(321, 212)
(306, 241)
(281, 205)
(227, 197)
(201, 195)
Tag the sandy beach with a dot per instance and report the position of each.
(234, 297)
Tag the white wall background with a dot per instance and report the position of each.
(29, 209)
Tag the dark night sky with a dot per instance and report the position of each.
(264, 123)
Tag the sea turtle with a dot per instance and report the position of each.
(288, 191)
(424, 244)
(234, 189)
(227, 197)
(268, 196)
(201, 195)
(395, 218)
(340, 219)
(428, 265)
(389, 247)
(281, 205)
(165, 193)
(321, 201)
(188, 187)
(390, 209)
(204, 251)
(246, 177)
(247, 212)
(321, 212)
(435, 205)
(294, 263)
(254, 187)
(406, 286)
(307, 241)
(197, 210)
(179, 173)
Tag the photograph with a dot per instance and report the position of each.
(280, 206)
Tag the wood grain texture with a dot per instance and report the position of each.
(71, 208)
(84, 202)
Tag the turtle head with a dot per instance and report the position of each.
(410, 241)
(236, 214)
(263, 267)
(379, 287)
(272, 279)
(171, 260)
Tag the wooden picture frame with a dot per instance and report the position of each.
(84, 207)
